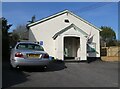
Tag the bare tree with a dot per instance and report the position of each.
(22, 32)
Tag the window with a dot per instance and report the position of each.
(91, 47)
(66, 20)
(29, 46)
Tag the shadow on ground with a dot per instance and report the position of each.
(53, 66)
(93, 59)
(11, 77)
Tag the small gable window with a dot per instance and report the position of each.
(66, 21)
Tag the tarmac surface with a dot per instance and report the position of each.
(63, 74)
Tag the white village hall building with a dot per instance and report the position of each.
(66, 35)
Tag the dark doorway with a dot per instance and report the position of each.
(71, 46)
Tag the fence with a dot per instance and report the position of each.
(110, 53)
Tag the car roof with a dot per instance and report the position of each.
(28, 42)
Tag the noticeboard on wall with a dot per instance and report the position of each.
(91, 47)
(41, 43)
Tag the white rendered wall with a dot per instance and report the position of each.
(46, 30)
(89, 30)
(72, 33)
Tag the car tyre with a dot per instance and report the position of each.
(44, 68)
(12, 68)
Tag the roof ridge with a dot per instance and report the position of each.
(60, 13)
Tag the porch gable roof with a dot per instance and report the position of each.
(67, 28)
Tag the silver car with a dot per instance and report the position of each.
(28, 54)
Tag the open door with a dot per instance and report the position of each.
(71, 46)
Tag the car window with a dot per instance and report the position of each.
(25, 46)
(21, 46)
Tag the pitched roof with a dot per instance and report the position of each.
(58, 14)
(68, 27)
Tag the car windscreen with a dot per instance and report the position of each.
(29, 46)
